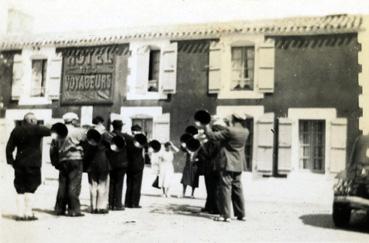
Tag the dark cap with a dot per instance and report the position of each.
(136, 128)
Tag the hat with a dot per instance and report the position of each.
(136, 128)
(70, 116)
(118, 141)
(155, 145)
(191, 130)
(93, 136)
(60, 129)
(193, 144)
(141, 139)
(239, 116)
(202, 116)
(117, 123)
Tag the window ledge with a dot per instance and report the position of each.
(240, 95)
(34, 101)
(147, 96)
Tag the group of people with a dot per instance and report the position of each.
(216, 148)
(106, 156)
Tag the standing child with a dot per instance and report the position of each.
(166, 169)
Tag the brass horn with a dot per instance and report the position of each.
(202, 116)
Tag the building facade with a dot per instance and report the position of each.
(304, 82)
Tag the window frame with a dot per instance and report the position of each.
(244, 47)
(44, 77)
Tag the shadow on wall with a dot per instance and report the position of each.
(358, 223)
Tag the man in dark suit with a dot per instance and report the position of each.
(27, 163)
(232, 139)
(118, 160)
(136, 163)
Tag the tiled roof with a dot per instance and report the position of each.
(287, 26)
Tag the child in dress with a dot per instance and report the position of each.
(166, 169)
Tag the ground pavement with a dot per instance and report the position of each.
(295, 209)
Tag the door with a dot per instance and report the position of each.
(312, 145)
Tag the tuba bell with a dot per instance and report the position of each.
(60, 129)
(93, 137)
(192, 130)
(193, 144)
(117, 143)
(202, 116)
(140, 140)
(155, 145)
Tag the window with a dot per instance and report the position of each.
(146, 124)
(38, 77)
(243, 68)
(154, 70)
(312, 144)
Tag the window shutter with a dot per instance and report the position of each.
(54, 76)
(338, 136)
(161, 129)
(169, 72)
(142, 70)
(17, 82)
(266, 67)
(265, 138)
(215, 58)
(284, 145)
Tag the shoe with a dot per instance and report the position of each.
(93, 211)
(204, 210)
(241, 218)
(74, 214)
(137, 206)
(31, 218)
(119, 208)
(60, 213)
(20, 218)
(102, 211)
(213, 212)
(222, 219)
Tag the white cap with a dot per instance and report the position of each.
(70, 116)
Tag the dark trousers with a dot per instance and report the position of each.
(70, 177)
(116, 187)
(27, 179)
(133, 192)
(230, 193)
(211, 184)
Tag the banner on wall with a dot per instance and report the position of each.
(88, 75)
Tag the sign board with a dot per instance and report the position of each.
(88, 75)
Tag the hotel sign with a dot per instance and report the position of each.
(88, 75)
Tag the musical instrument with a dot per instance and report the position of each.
(202, 116)
(193, 144)
(117, 143)
(191, 130)
(155, 145)
(60, 129)
(140, 139)
(93, 137)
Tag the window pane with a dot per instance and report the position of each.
(242, 68)
(38, 78)
(154, 70)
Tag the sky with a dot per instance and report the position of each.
(76, 15)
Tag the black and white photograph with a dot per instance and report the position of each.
(184, 121)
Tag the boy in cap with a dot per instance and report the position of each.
(70, 166)
(27, 163)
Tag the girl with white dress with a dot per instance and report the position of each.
(166, 169)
